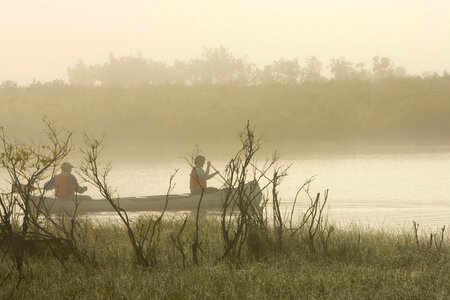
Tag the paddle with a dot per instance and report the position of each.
(224, 180)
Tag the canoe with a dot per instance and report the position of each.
(178, 202)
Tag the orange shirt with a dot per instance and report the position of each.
(63, 186)
(197, 183)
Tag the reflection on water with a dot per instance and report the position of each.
(376, 189)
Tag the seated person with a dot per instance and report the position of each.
(199, 177)
(65, 184)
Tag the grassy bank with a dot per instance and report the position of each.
(354, 264)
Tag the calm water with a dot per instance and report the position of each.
(381, 190)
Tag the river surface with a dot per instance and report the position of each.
(387, 190)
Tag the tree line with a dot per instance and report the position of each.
(392, 109)
(220, 66)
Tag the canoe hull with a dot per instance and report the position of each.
(182, 202)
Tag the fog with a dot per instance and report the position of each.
(40, 39)
(153, 74)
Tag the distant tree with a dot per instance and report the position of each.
(218, 65)
(343, 69)
(400, 72)
(265, 75)
(8, 84)
(81, 74)
(311, 72)
(382, 67)
(430, 74)
(124, 71)
(361, 71)
(286, 71)
(157, 73)
(179, 73)
(132, 71)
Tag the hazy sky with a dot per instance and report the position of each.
(41, 38)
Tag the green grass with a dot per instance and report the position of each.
(358, 264)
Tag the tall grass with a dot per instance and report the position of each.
(357, 264)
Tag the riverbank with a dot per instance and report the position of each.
(352, 263)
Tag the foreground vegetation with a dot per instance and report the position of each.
(357, 264)
(249, 251)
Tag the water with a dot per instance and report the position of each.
(380, 190)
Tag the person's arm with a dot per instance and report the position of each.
(50, 185)
(204, 175)
(79, 189)
(207, 171)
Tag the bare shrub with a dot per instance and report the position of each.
(178, 243)
(143, 236)
(243, 218)
(26, 225)
(279, 219)
(313, 225)
(246, 194)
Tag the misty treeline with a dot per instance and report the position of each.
(220, 66)
(205, 100)
(396, 108)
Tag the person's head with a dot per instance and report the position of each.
(66, 167)
(199, 161)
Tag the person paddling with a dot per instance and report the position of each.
(65, 184)
(199, 177)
